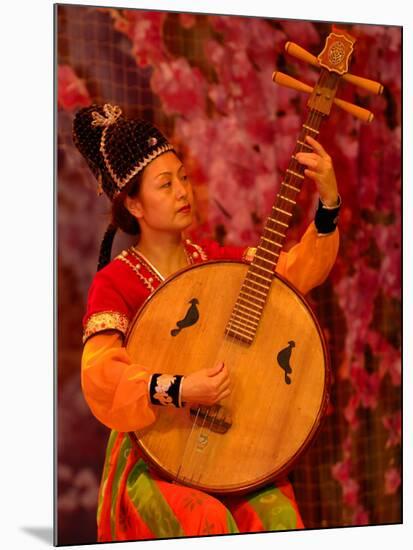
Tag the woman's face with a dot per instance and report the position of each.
(165, 199)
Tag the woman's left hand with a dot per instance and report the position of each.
(321, 170)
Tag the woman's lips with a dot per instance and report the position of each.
(185, 209)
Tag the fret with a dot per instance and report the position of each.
(251, 313)
(283, 211)
(245, 333)
(271, 262)
(253, 319)
(272, 242)
(267, 240)
(262, 277)
(264, 259)
(250, 279)
(304, 144)
(256, 289)
(251, 297)
(236, 335)
(286, 199)
(278, 221)
(269, 252)
(296, 174)
(311, 129)
(240, 326)
(263, 268)
(243, 319)
(274, 231)
(291, 186)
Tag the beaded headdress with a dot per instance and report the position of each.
(115, 146)
(116, 149)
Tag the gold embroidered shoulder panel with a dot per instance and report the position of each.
(105, 320)
(249, 254)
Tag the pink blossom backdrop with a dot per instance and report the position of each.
(206, 81)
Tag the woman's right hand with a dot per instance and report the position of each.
(206, 386)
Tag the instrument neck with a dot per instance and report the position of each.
(252, 297)
(278, 221)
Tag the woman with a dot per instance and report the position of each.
(152, 198)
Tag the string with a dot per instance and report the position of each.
(313, 122)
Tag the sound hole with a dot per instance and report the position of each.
(191, 317)
(283, 359)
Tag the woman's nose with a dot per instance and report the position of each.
(180, 190)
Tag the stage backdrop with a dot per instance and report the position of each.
(206, 81)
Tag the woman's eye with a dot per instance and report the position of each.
(166, 184)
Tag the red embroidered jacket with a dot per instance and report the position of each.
(114, 387)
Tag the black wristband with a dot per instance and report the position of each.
(326, 217)
(165, 389)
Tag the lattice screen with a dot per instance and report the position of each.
(350, 475)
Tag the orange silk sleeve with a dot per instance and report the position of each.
(308, 263)
(115, 389)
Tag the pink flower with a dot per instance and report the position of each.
(219, 96)
(181, 88)
(360, 516)
(71, 90)
(388, 240)
(265, 43)
(78, 489)
(120, 22)
(285, 139)
(341, 471)
(366, 386)
(392, 481)
(87, 486)
(390, 358)
(392, 422)
(349, 144)
(187, 20)
(236, 30)
(391, 363)
(351, 492)
(68, 501)
(391, 35)
(350, 412)
(144, 28)
(301, 31)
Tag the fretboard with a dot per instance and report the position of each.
(252, 297)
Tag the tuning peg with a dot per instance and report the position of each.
(355, 110)
(369, 85)
(300, 53)
(290, 82)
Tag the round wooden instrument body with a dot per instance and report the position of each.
(259, 431)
